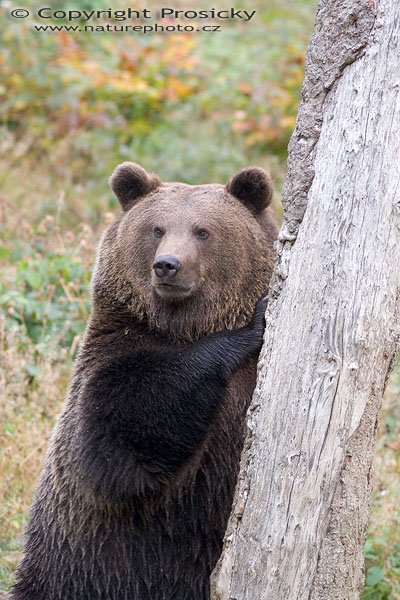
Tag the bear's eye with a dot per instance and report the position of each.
(202, 234)
(158, 233)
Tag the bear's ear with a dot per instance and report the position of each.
(253, 187)
(130, 182)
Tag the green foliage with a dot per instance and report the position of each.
(111, 97)
(10, 552)
(382, 576)
(48, 297)
(382, 549)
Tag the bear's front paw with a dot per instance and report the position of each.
(257, 323)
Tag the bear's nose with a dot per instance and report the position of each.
(166, 267)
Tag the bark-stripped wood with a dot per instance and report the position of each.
(301, 505)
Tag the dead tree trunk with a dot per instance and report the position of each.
(301, 506)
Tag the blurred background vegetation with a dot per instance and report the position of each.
(192, 107)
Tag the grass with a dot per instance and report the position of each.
(43, 307)
(382, 549)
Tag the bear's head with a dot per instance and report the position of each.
(187, 259)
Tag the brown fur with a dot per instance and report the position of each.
(229, 280)
(90, 536)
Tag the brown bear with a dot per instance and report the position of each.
(139, 478)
